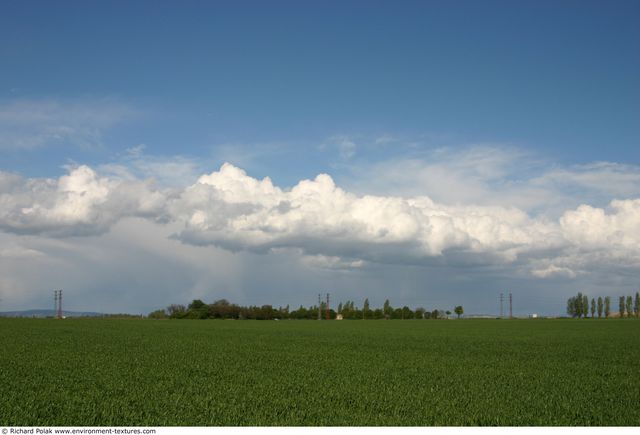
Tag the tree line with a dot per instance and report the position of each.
(223, 309)
(579, 306)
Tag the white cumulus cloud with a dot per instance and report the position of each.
(231, 209)
(78, 203)
(326, 225)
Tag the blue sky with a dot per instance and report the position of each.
(528, 105)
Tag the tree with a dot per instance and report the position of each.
(579, 305)
(386, 309)
(607, 306)
(196, 304)
(340, 308)
(629, 306)
(593, 308)
(176, 311)
(197, 310)
(365, 308)
(419, 313)
(621, 306)
(585, 305)
(459, 310)
(158, 314)
(223, 309)
(407, 313)
(636, 305)
(599, 306)
(572, 306)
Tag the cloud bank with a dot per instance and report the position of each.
(326, 225)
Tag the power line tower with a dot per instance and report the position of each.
(501, 305)
(57, 304)
(319, 306)
(510, 306)
(328, 314)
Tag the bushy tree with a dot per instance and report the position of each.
(158, 314)
(407, 313)
(301, 313)
(419, 313)
(197, 310)
(349, 311)
(223, 309)
(600, 306)
(176, 311)
(196, 304)
(459, 310)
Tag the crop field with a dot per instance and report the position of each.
(468, 372)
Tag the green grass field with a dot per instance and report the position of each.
(470, 372)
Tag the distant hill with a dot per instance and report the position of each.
(48, 313)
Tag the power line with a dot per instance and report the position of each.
(57, 304)
(327, 307)
(510, 306)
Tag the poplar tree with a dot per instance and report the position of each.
(599, 306)
(629, 306)
(636, 305)
(593, 308)
(571, 306)
(621, 306)
(607, 306)
(578, 307)
(386, 309)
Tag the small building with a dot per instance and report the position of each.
(338, 316)
(533, 316)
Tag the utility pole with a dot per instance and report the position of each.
(501, 305)
(319, 306)
(328, 313)
(510, 306)
(59, 304)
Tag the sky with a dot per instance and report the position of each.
(433, 153)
